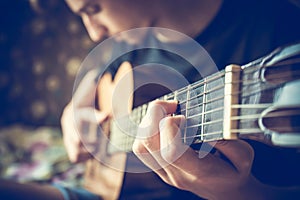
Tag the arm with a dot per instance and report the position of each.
(77, 119)
(159, 146)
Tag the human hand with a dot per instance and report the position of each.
(80, 120)
(160, 147)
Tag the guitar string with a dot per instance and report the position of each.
(214, 89)
(252, 130)
(287, 63)
(284, 113)
(246, 72)
(219, 97)
(235, 130)
(253, 106)
(188, 108)
(245, 83)
(129, 139)
(197, 84)
(204, 113)
(244, 95)
(237, 106)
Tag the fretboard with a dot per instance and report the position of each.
(202, 104)
(231, 104)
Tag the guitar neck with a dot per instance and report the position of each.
(202, 103)
(227, 105)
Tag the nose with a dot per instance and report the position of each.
(94, 27)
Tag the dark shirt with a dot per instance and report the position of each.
(241, 32)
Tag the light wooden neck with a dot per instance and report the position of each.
(202, 104)
(225, 105)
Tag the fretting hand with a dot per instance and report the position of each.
(80, 120)
(160, 147)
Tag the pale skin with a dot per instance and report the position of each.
(79, 111)
(210, 177)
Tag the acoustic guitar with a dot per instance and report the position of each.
(258, 101)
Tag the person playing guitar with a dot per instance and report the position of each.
(232, 32)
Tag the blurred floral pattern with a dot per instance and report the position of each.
(36, 155)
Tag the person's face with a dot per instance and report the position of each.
(104, 18)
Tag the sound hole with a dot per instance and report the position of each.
(283, 120)
(149, 92)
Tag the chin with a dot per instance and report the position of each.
(130, 37)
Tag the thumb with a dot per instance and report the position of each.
(91, 115)
(239, 152)
(86, 91)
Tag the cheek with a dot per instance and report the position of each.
(121, 23)
(122, 19)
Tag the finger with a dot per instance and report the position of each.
(86, 91)
(100, 116)
(146, 157)
(148, 140)
(72, 138)
(82, 157)
(90, 115)
(173, 151)
(149, 143)
(156, 111)
(74, 147)
(239, 152)
(167, 107)
(177, 154)
(170, 138)
(86, 124)
(78, 154)
(168, 173)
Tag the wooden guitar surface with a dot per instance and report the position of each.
(104, 173)
(238, 102)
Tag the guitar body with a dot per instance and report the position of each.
(121, 175)
(104, 172)
(239, 102)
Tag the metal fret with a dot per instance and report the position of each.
(175, 95)
(203, 110)
(186, 112)
(198, 102)
(144, 109)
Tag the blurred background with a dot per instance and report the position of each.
(42, 45)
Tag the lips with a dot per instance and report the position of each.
(100, 34)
